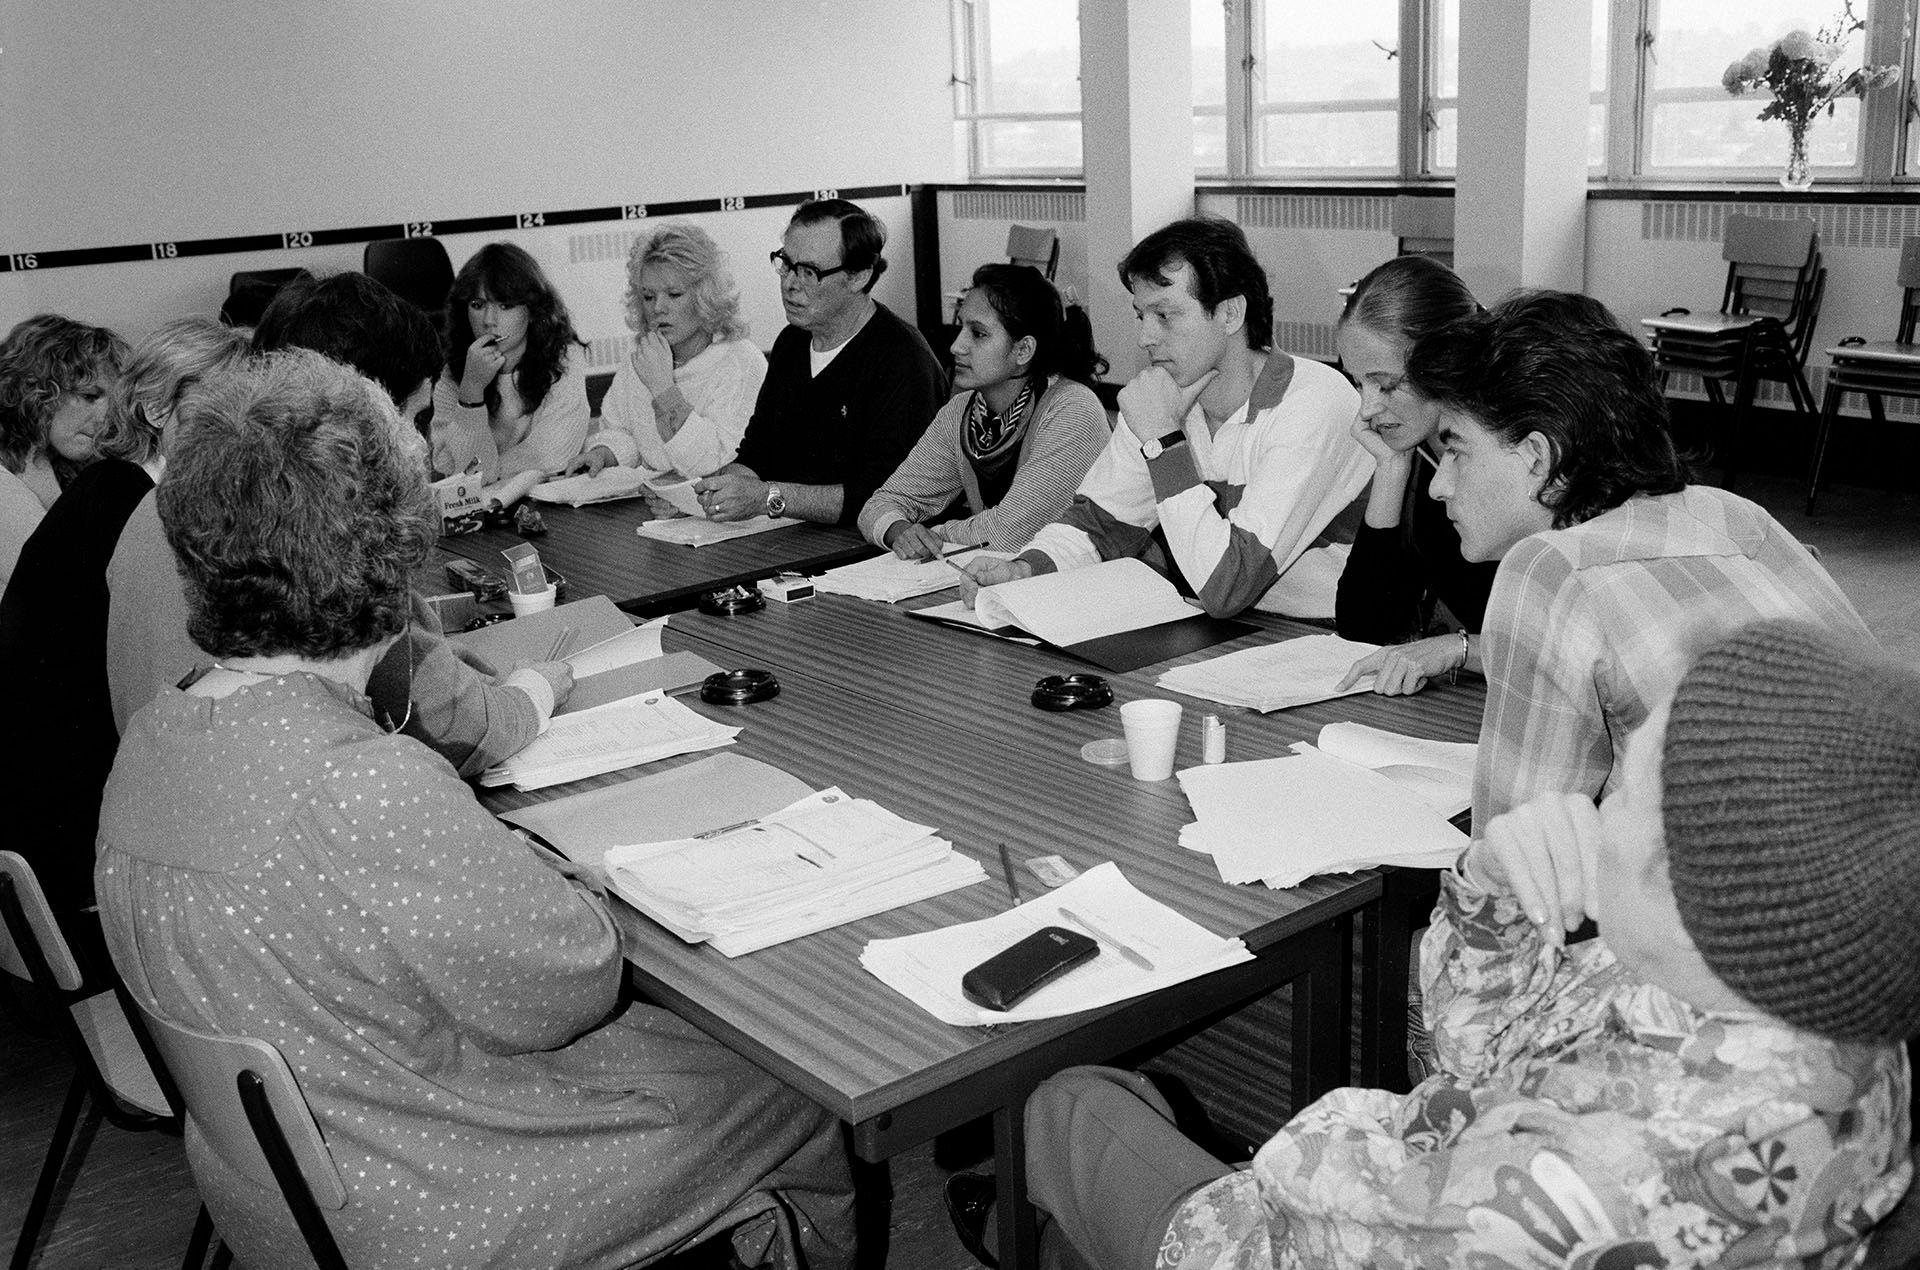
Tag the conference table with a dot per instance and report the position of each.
(936, 725)
(597, 549)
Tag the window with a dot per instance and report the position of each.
(1017, 86)
(1693, 126)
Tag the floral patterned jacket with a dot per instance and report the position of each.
(1582, 1118)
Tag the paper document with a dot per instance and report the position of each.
(638, 643)
(554, 635)
(1078, 605)
(721, 789)
(1293, 672)
(821, 862)
(927, 968)
(1283, 820)
(1440, 772)
(691, 531)
(889, 579)
(606, 738)
(655, 674)
(613, 483)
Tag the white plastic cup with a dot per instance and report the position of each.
(525, 602)
(1153, 731)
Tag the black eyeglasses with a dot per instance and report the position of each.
(809, 274)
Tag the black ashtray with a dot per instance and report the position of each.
(739, 687)
(732, 601)
(1072, 692)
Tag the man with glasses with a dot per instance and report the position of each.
(849, 386)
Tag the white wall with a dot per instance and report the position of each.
(181, 119)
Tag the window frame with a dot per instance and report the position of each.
(1888, 146)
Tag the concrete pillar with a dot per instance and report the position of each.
(1520, 207)
(1136, 108)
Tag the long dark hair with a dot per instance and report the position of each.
(1558, 363)
(1027, 304)
(1409, 298)
(508, 274)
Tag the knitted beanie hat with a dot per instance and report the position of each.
(1792, 816)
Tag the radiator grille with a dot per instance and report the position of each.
(1870, 225)
(1315, 211)
(1042, 207)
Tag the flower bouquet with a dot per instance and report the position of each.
(1798, 69)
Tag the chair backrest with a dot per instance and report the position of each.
(250, 291)
(1909, 280)
(1034, 245)
(1770, 265)
(241, 1096)
(417, 269)
(1424, 227)
(31, 933)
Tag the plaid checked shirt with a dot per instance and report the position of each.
(1589, 627)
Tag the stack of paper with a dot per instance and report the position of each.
(691, 531)
(1283, 820)
(606, 738)
(889, 579)
(1440, 772)
(821, 862)
(613, 482)
(1100, 902)
(1278, 676)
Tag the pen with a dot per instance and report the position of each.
(1125, 951)
(1006, 867)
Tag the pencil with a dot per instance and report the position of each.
(1131, 954)
(560, 643)
(1006, 867)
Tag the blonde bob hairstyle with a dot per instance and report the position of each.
(163, 367)
(716, 298)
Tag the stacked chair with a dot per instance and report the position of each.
(1775, 281)
(1875, 370)
(415, 269)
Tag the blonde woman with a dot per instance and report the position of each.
(681, 399)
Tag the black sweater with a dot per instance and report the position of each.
(854, 424)
(1391, 569)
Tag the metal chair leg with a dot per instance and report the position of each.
(1823, 433)
(49, 1173)
(202, 1236)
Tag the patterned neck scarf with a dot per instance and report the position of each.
(992, 438)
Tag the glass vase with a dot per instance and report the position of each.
(1799, 173)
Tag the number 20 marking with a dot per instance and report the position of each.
(297, 238)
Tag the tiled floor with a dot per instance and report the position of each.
(131, 1203)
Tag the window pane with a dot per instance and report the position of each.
(1330, 139)
(1330, 50)
(1025, 145)
(1693, 122)
(1209, 18)
(1210, 143)
(1597, 84)
(1031, 55)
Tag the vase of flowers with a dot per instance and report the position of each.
(1800, 71)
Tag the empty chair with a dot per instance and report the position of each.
(110, 1066)
(1424, 227)
(1034, 245)
(1875, 370)
(1775, 280)
(250, 291)
(244, 1105)
(416, 269)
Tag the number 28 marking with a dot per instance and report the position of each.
(734, 203)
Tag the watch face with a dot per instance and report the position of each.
(776, 502)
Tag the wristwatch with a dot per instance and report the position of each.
(776, 501)
(1158, 446)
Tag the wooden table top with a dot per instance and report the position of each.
(596, 549)
(936, 725)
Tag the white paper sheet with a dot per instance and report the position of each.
(689, 531)
(606, 738)
(888, 579)
(1077, 605)
(927, 968)
(1292, 672)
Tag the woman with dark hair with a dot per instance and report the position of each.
(513, 397)
(681, 400)
(60, 739)
(275, 864)
(1005, 455)
(1556, 461)
(1406, 555)
(54, 375)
